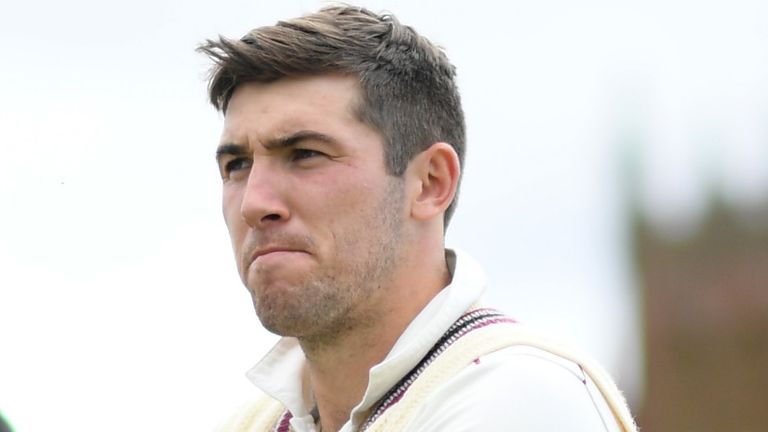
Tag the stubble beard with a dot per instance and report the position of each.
(338, 299)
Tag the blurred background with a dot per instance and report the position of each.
(615, 190)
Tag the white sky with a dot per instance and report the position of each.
(120, 308)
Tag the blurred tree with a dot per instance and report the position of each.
(706, 313)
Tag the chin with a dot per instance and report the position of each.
(278, 319)
(283, 328)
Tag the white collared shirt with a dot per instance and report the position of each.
(519, 388)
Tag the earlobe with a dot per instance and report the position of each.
(437, 172)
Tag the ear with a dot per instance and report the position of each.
(435, 176)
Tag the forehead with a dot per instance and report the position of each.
(281, 106)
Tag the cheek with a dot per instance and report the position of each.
(230, 206)
(355, 207)
(238, 230)
(347, 208)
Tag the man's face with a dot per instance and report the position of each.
(315, 220)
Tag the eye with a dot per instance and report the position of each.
(235, 165)
(302, 154)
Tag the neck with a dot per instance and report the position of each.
(338, 374)
(339, 363)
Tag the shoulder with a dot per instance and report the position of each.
(517, 388)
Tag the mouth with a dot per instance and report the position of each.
(273, 252)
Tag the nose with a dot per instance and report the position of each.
(264, 197)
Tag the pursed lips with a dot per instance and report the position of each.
(260, 253)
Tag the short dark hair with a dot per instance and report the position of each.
(408, 87)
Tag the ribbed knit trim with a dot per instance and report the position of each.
(284, 424)
(472, 320)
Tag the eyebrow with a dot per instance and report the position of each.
(282, 142)
(296, 138)
(230, 149)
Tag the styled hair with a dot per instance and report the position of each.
(408, 88)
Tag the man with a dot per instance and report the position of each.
(341, 157)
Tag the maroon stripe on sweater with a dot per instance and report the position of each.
(468, 322)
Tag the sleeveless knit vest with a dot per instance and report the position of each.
(475, 334)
